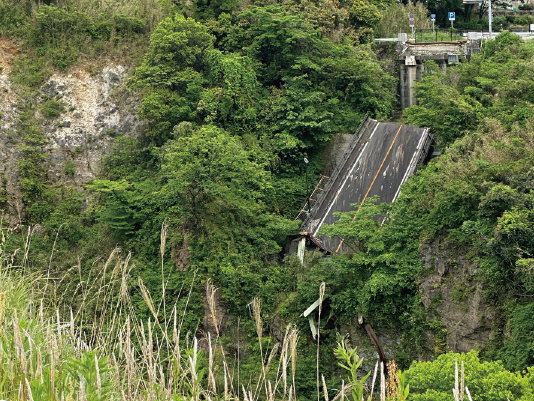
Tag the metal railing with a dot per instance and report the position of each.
(335, 173)
(439, 35)
(313, 197)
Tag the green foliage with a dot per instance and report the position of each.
(395, 18)
(233, 106)
(176, 55)
(69, 168)
(56, 36)
(486, 380)
(518, 351)
(213, 178)
(351, 362)
(36, 193)
(493, 84)
(123, 212)
(90, 371)
(52, 108)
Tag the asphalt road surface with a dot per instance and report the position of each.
(385, 157)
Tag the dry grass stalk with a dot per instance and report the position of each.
(31, 344)
(462, 382)
(343, 390)
(41, 312)
(211, 293)
(226, 398)
(27, 249)
(51, 256)
(293, 341)
(53, 356)
(456, 390)
(82, 395)
(325, 389)
(2, 307)
(170, 381)
(162, 382)
(117, 369)
(39, 367)
(274, 351)
(272, 354)
(163, 241)
(176, 342)
(72, 333)
(129, 360)
(30, 397)
(150, 357)
(285, 361)
(98, 379)
(469, 394)
(211, 377)
(19, 347)
(256, 312)
(374, 378)
(382, 383)
(148, 299)
(321, 298)
(58, 320)
(193, 371)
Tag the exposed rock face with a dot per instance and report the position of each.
(452, 288)
(97, 109)
(85, 131)
(334, 152)
(389, 340)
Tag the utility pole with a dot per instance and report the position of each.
(489, 17)
(307, 191)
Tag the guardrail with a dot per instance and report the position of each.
(335, 173)
(439, 35)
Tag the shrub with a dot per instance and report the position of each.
(70, 168)
(518, 352)
(52, 109)
(487, 381)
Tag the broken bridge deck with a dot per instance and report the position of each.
(379, 159)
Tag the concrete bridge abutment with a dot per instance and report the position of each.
(411, 57)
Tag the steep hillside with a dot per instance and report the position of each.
(152, 160)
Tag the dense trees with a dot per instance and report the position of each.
(495, 83)
(236, 96)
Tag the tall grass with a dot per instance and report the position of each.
(99, 349)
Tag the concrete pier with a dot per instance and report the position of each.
(411, 58)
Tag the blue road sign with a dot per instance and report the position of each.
(433, 16)
(452, 16)
(412, 22)
(411, 16)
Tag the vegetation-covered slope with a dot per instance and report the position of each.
(235, 96)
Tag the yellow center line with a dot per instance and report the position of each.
(372, 183)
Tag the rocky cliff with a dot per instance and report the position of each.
(96, 109)
(451, 289)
